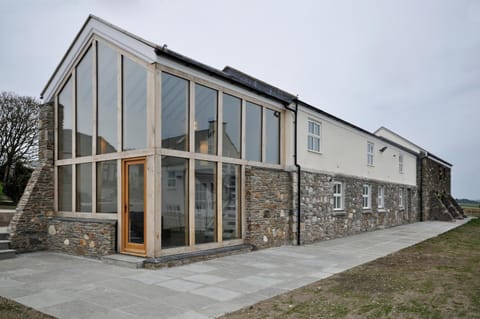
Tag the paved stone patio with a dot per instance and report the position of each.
(74, 287)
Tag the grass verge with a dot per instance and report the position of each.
(13, 310)
(438, 278)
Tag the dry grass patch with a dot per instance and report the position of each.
(13, 310)
(439, 278)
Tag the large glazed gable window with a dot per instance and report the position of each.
(84, 187)
(205, 120)
(134, 105)
(232, 120)
(174, 202)
(65, 121)
(230, 201)
(107, 99)
(272, 136)
(253, 134)
(84, 107)
(205, 201)
(174, 112)
(65, 188)
(313, 142)
(107, 187)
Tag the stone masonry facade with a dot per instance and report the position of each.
(437, 201)
(82, 236)
(28, 227)
(268, 199)
(33, 227)
(319, 221)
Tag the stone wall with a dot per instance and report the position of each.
(319, 221)
(268, 207)
(28, 227)
(82, 236)
(435, 181)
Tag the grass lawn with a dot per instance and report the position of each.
(438, 278)
(12, 310)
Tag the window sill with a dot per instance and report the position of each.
(382, 210)
(339, 213)
(315, 152)
(367, 211)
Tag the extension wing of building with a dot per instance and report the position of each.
(146, 152)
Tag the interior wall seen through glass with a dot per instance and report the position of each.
(175, 103)
(205, 120)
(205, 202)
(84, 107)
(253, 132)
(107, 187)
(107, 99)
(174, 202)
(272, 136)
(134, 105)
(230, 201)
(65, 121)
(84, 187)
(232, 118)
(65, 188)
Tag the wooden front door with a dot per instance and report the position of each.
(134, 207)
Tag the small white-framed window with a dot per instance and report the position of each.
(366, 196)
(400, 163)
(337, 196)
(314, 129)
(381, 197)
(370, 148)
(400, 198)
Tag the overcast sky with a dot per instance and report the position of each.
(412, 66)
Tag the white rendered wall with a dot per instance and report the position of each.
(343, 150)
(386, 133)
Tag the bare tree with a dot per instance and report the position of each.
(18, 131)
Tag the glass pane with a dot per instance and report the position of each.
(107, 187)
(174, 112)
(84, 105)
(205, 201)
(273, 136)
(107, 100)
(65, 122)
(136, 203)
(231, 201)
(84, 187)
(232, 117)
(205, 120)
(65, 188)
(174, 202)
(134, 105)
(253, 134)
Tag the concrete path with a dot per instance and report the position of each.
(73, 287)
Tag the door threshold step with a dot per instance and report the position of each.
(195, 256)
(124, 260)
(7, 253)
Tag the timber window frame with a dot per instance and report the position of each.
(314, 130)
(401, 198)
(370, 153)
(366, 196)
(381, 197)
(338, 198)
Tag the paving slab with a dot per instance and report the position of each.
(74, 287)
